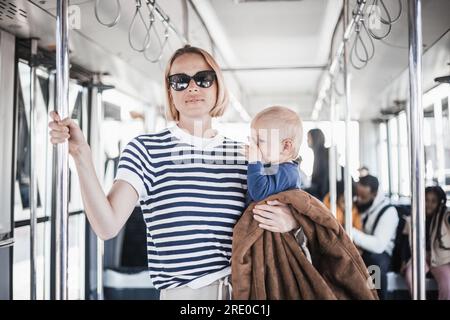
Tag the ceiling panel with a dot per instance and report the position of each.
(260, 34)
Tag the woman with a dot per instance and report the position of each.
(319, 179)
(189, 180)
(437, 226)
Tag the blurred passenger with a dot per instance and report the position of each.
(319, 179)
(340, 206)
(380, 222)
(437, 224)
(276, 138)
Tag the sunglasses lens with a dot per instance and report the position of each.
(179, 82)
(205, 79)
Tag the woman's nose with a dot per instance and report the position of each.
(192, 87)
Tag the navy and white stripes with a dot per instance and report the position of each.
(191, 194)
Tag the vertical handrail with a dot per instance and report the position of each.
(439, 132)
(332, 151)
(415, 118)
(389, 157)
(62, 153)
(100, 162)
(185, 9)
(96, 117)
(33, 179)
(347, 176)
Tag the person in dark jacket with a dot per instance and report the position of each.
(319, 180)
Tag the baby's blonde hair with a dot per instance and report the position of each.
(288, 123)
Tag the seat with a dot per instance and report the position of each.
(398, 289)
(126, 277)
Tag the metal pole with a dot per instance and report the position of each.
(98, 158)
(33, 178)
(62, 156)
(389, 155)
(439, 131)
(100, 257)
(416, 148)
(100, 162)
(276, 68)
(185, 9)
(400, 159)
(332, 151)
(347, 177)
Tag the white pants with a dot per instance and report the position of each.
(218, 290)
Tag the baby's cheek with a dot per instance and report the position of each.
(276, 150)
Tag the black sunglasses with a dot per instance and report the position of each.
(203, 79)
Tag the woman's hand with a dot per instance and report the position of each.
(66, 129)
(275, 216)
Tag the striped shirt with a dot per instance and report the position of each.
(191, 191)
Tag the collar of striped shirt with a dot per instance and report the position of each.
(199, 142)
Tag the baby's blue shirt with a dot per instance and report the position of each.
(263, 182)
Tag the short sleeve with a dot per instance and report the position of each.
(131, 166)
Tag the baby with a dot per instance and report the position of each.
(274, 145)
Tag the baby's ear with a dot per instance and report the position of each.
(287, 144)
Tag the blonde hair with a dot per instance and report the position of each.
(222, 93)
(288, 123)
